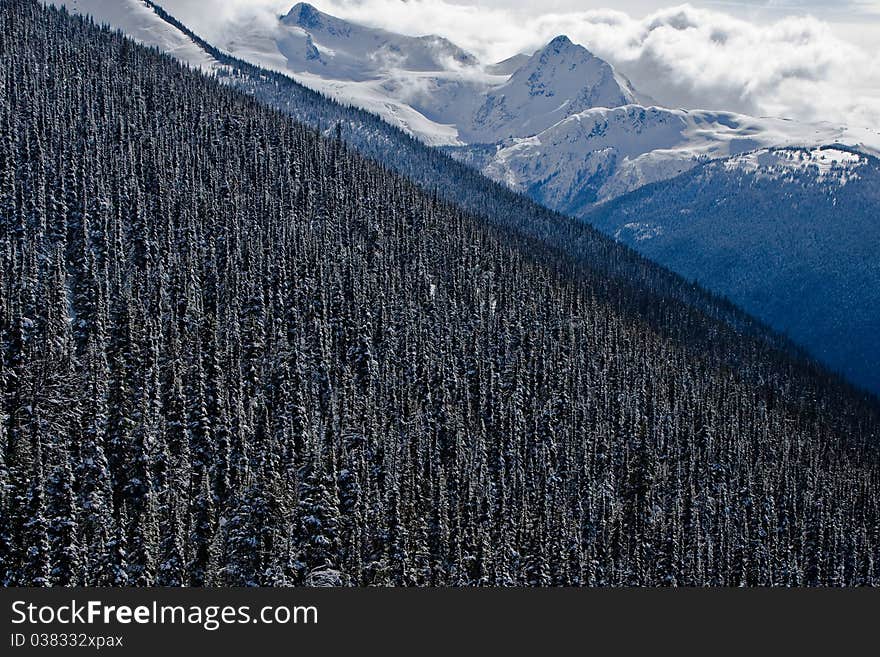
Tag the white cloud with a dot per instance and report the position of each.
(784, 65)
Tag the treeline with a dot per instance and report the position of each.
(236, 353)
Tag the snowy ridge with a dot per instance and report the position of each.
(828, 165)
(600, 154)
(454, 98)
(318, 43)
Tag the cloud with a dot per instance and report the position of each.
(218, 20)
(793, 66)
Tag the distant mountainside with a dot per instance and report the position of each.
(319, 43)
(235, 352)
(791, 235)
(601, 153)
(427, 86)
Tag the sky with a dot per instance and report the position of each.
(800, 59)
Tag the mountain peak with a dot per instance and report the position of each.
(564, 46)
(560, 42)
(304, 15)
(561, 79)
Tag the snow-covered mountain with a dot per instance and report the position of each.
(456, 99)
(560, 125)
(425, 85)
(318, 43)
(557, 81)
(601, 153)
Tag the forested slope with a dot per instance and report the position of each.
(235, 352)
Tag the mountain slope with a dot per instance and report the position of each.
(235, 352)
(425, 85)
(791, 235)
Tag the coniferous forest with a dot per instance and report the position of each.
(237, 352)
